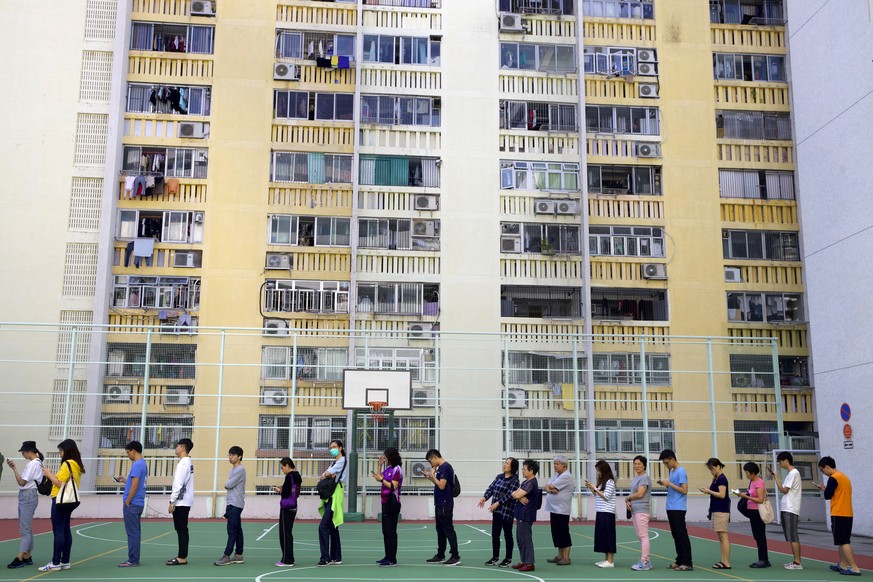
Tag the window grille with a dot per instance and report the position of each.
(96, 80)
(91, 131)
(85, 204)
(80, 270)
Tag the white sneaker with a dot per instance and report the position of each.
(793, 566)
(65, 566)
(605, 564)
(598, 563)
(49, 567)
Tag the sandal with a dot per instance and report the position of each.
(683, 568)
(176, 562)
(673, 566)
(720, 566)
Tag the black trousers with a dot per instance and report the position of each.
(499, 524)
(180, 524)
(389, 532)
(679, 531)
(446, 531)
(759, 532)
(286, 534)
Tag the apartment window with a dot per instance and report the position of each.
(311, 45)
(756, 184)
(398, 298)
(538, 57)
(311, 433)
(625, 241)
(794, 371)
(169, 162)
(638, 9)
(537, 116)
(292, 296)
(770, 307)
(168, 226)
(307, 231)
(760, 245)
(392, 110)
(311, 364)
(392, 359)
(542, 368)
(749, 370)
(402, 50)
(156, 292)
(167, 360)
(546, 176)
(616, 61)
(741, 67)
(312, 106)
(755, 437)
(540, 301)
(412, 433)
(630, 120)
(311, 168)
(752, 125)
(752, 12)
(162, 431)
(172, 38)
(176, 99)
(629, 304)
(399, 171)
(537, 6)
(627, 436)
(539, 238)
(638, 180)
(543, 435)
(399, 233)
(625, 369)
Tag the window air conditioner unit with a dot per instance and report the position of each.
(424, 397)
(510, 22)
(427, 202)
(510, 244)
(648, 90)
(116, 363)
(515, 399)
(286, 72)
(732, 275)
(202, 8)
(648, 150)
(191, 129)
(117, 395)
(278, 261)
(647, 56)
(566, 207)
(423, 228)
(198, 218)
(183, 260)
(544, 207)
(275, 327)
(647, 70)
(274, 397)
(177, 397)
(654, 271)
(419, 330)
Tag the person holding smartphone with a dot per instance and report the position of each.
(677, 506)
(28, 500)
(391, 479)
(789, 505)
(134, 501)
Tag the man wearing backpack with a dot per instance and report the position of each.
(442, 475)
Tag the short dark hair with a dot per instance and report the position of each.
(513, 465)
(392, 455)
(785, 456)
(430, 454)
(827, 462)
(235, 450)
(752, 468)
(187, 443)
(134, 446)
(642, 460)
(714, 462)
(287, 462)
(666, 455)
(532, 466)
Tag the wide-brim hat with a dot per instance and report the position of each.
(28, 447)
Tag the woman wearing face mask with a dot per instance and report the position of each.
(332, 510)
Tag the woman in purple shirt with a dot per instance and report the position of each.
(391, 478)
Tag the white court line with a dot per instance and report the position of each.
(478, 529)
(266, 531)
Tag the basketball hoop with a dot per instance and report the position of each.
(375, 408)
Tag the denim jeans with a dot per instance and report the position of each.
(132, 514)
(61, 515)
(329, 538)
(234, 530)
(28, 499)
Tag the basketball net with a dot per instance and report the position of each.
(375, 408)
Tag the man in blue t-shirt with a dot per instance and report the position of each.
(677, 498)
(442, 475)
(134, 501)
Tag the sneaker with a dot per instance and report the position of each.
(237, 559)
(336, 562)
(505, 563)
(849, 572)
(835, 568)
(491, 562)
(66, 566)
(128, 564)
(49, 567)
(222, 561)
(605, 564)
(28, 562)
(322, 563)
(387, 564)
(527, 568)
(16, 563)
(760, 564)
(437, 559)
(598, 563)
(793, 566)
(642, 566)
(281, 564)
(453, 561)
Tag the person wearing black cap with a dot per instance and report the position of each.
(27, 500)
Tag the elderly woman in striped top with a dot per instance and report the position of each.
(604, 504)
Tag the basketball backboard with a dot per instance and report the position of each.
(361, 387)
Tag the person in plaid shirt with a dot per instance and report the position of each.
(502, 511)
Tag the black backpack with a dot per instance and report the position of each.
(326, 487)
(456, 486)
(45, 486)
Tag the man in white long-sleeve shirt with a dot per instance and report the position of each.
(236, 492)
(182, 498)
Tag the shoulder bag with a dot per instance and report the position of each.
(68, 494)
(765, 510)
(327, 486)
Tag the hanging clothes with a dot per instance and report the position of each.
(343, 63)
